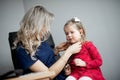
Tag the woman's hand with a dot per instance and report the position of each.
(79, 62)
(74, 48)
(67, 69)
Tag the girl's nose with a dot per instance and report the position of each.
(69, 34)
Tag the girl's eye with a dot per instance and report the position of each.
(72, 32)
(66, 33)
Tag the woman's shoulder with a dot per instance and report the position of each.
(44, 45)
(19, 48)
(20, 51)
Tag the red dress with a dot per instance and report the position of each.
(91, 56)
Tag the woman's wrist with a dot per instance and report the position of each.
(68, 51)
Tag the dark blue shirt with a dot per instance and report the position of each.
(44, 53)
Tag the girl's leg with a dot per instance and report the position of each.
(70, 78)
(85, 78)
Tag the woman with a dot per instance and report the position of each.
(33, 53)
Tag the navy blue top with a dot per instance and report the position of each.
(44, 53)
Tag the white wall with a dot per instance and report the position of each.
(100, 17)
(11, 12)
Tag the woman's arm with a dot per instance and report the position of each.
(59, 65)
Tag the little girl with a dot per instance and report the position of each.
(86, 64)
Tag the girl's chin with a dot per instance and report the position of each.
(72, 42)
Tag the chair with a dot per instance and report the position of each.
(17, 69)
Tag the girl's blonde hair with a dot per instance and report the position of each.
(79, 26)
(34, 28)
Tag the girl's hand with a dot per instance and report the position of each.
(79, 62)
(67, 69)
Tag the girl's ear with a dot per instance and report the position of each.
(81, 31)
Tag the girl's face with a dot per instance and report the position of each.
(72, 33)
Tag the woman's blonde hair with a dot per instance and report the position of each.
(79, 26)
(34, 28)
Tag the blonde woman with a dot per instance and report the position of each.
(33, 54)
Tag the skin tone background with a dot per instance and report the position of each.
(100, 17)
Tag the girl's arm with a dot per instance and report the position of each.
(94, 54)
(79, 62)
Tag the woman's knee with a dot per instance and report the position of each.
(85, 78)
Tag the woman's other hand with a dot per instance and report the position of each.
(67, 69)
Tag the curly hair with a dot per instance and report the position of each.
(34, 28)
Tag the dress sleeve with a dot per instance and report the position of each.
(95, 55)
(24, 59)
